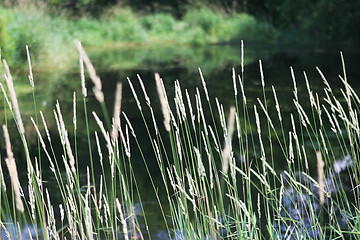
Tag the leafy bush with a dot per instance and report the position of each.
(248, 27)
(6, 43)
(206, 19)
(218, 27)
(46, 35)
(159, 23)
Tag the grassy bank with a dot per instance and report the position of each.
(218, 176)
(48, 36)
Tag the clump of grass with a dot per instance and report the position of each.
(209, 191)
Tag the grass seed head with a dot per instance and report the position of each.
(163, 101)
(15, 104)
(117, 111)
(320, 172)
(11, 165)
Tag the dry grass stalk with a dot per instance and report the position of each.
(99, 149)
(163, 101)
(82, 77)
(291, 149)
(179, 101)
(305, 158)
(92, 73)
(105, 133)
(71, 213)
(204, 85)
(65, 138)
(51, 229)
(234, 81)
(209, 160)
(148, 102)
(304, 118)
(62, 212)
(31, 76)
(277, 106)
(126, 146)
(201, 168)
(123, 222)
(99, 204)
(11, 165)
(281, 193)
(134, 93)
(216, 147)
(2, 179)
(45, 126)
(190, 108)
(320, 172)
(147, 99)
(6, 98)
(266, 113)
(226, 153)
(327, 88)
(221, 115)
(318, 108)
(323, 142)
(117, 111)
(261, 74)
(242, 89)
(258, 127)
(52, 167)
(88, 217)
(10, 84)
(294, 82)
(178, 145)
(171, 178)
(129, 124)
(241, 206)
(201, 112)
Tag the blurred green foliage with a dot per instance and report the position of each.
(50, 38)
(6, 43)
(317, 21)
(299, 21)
(44, 35)
(49, 27)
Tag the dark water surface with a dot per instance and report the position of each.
(216, 62)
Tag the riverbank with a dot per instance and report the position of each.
(51, 37)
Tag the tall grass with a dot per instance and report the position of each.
(217, 174)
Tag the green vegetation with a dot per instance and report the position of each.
(319, 22)
(42, 33)
(208, 191)
(47, 35)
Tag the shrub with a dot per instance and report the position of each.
(159, 23)
(122, 25)
(205, 19)
(7, 44)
